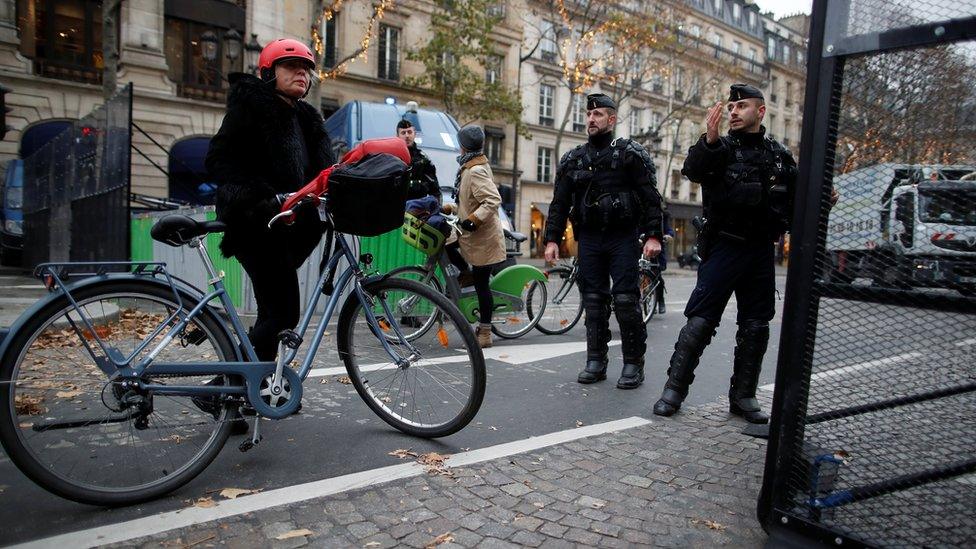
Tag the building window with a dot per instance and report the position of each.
(493, 69)
(635, 121)
(695, 89)
(696, 31)
(789, 94)
(195, 55)
(496, 10)
(548, 48)
(655, 121)
(752, 19)
(579, 112)
(773, 85)
(786, 53)
(737, 48)
(329, 42)
(389, 53)
(546, 96)
(543, 170)
(717, 4)
(799, 58)
(675, 184)
(693, 191)
(493, 145)
(64, 39)
(679, 78)
(717, 42)
(771, 48)
(736, 12)
(657, 83)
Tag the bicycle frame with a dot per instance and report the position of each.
(253, 371)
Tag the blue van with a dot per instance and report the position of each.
(12, 214)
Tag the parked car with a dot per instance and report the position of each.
(12, 214)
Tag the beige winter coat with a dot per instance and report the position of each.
(478, 200)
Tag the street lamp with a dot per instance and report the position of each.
(253, 48)
(232, 39)
(208, 46)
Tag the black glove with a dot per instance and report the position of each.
(468, 225)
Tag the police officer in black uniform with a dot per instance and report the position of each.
(748, 181)
(423, 174)
(608, 188)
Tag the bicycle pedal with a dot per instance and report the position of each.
(290, 339)
(245, 445)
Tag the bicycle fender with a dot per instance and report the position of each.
(513, 279)
(186, 291)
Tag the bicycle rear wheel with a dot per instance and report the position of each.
(511, 320)
(86, 438)
(433, 385)
(648, 284)
(565, 305)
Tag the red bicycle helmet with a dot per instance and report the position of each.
(282, 49)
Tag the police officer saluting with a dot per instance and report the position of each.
(608, 188)
(423, 174)
(748, 181)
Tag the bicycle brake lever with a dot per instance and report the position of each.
(286, 213)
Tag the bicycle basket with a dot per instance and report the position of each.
(367, 198)
(420, 235)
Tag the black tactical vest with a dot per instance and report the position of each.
(603, 197)
(752, 200)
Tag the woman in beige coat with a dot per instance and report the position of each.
(482, 241)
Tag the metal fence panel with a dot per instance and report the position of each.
(873, 437)
(76, 189)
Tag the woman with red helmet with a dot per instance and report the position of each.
(269, 143)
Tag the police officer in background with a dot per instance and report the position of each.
(748, 182)
(423, 174)
(608, 188)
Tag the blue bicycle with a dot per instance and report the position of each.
(124, 382)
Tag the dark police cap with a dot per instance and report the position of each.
(738, 92)
(599, 101)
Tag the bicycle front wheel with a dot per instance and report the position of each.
(565, 305)
(648, 284)
(414, 317)
(85, 437)
(430, 386)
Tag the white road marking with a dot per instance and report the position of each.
(163, 522)
(512, 354)
(886, 361)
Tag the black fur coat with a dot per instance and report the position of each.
(257, 154)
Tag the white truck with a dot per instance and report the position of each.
(903, 225)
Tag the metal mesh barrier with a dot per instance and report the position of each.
(873, 438)
(76, 189)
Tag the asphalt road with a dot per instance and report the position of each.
(337, 434)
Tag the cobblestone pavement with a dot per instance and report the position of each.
(689, 481)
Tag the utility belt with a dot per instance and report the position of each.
(609, 210)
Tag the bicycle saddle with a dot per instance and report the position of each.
(178, 230)
(518, 237)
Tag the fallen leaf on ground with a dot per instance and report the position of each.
(344, 380)
(67, 394)
(295, 534)
(579, 423)
(402, 453)
(446, 537)
(434, 464)
(205, 503)
(231, 493)
(323, 381)
(711, 524)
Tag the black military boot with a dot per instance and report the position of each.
(633, 340)
(750, 346)
(597, 307)
(694, 337)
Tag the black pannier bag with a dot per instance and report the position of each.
(368, 198)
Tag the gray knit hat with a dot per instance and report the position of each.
(472, 138)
